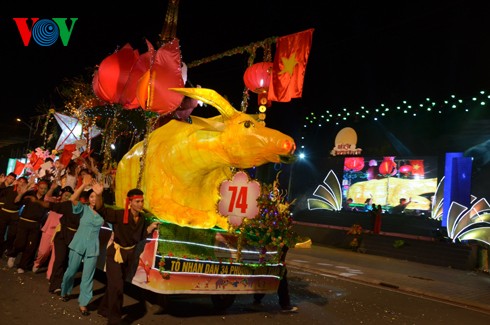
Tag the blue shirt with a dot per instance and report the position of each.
(86, 239)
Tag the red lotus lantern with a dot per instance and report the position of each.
(257, 77)
(405, 169)
(354, 163)
(388, 166)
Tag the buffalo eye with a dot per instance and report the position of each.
(248, 123)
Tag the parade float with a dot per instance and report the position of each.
(221, 232)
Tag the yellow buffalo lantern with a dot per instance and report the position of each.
(185, 163)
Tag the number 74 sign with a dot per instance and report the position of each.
(239, 198)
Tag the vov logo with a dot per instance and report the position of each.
(45, 32)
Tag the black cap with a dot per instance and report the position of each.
(67, 189)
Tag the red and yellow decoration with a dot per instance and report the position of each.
(354, 164)
(388, 167)
(134, 80)
(239, 198)
(289, 66)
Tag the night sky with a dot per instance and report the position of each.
(362, 53)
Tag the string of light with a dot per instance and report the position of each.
(337, 116)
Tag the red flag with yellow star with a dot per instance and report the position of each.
(288, 71)
(417, 167)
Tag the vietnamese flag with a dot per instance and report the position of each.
(19, 167)
(67, 153)
(288, 70)
(417, 167)
(35, 161)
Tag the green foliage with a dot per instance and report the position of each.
(272, 227)
(356, 231)
(187, 242)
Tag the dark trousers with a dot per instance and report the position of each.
(61, 241)
(26, 242)
(282, 292)
(8, 230)
(116, 273)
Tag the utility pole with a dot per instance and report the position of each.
(30, 132)
(169, 30)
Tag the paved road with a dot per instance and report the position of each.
(463, 288)
(24, 298)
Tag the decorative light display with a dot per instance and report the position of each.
(340, 116)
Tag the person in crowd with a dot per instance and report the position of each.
(85, 244)
(347, 206)
(130, 227)
(70, 175)
(378, 213)
(282, 290)
(400, 208)
(47, 170)
(107, 177)
(63, 236)
(81, 175)
(11, 190)
(59, 170)
(6, 181)
(28, 228)
(46, 246)
(368, 204)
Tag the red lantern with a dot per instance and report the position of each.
(257, 77)
(354, 163)
(405, 169)
(388, 166)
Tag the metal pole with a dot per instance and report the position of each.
(30, 132)
(290, 181)
(29, 139)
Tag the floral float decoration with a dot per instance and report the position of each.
(37, 157)
(272, 226)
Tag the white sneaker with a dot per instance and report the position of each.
(289, 309)
(10, 262)
(19, 270)
(35, 269)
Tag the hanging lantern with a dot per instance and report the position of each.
(373, 163)
(388, 166)
(354, 163)
(257, 77)
(406, 169)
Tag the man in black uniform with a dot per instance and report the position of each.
(129, 227)
(11, 190)
(29, 227)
